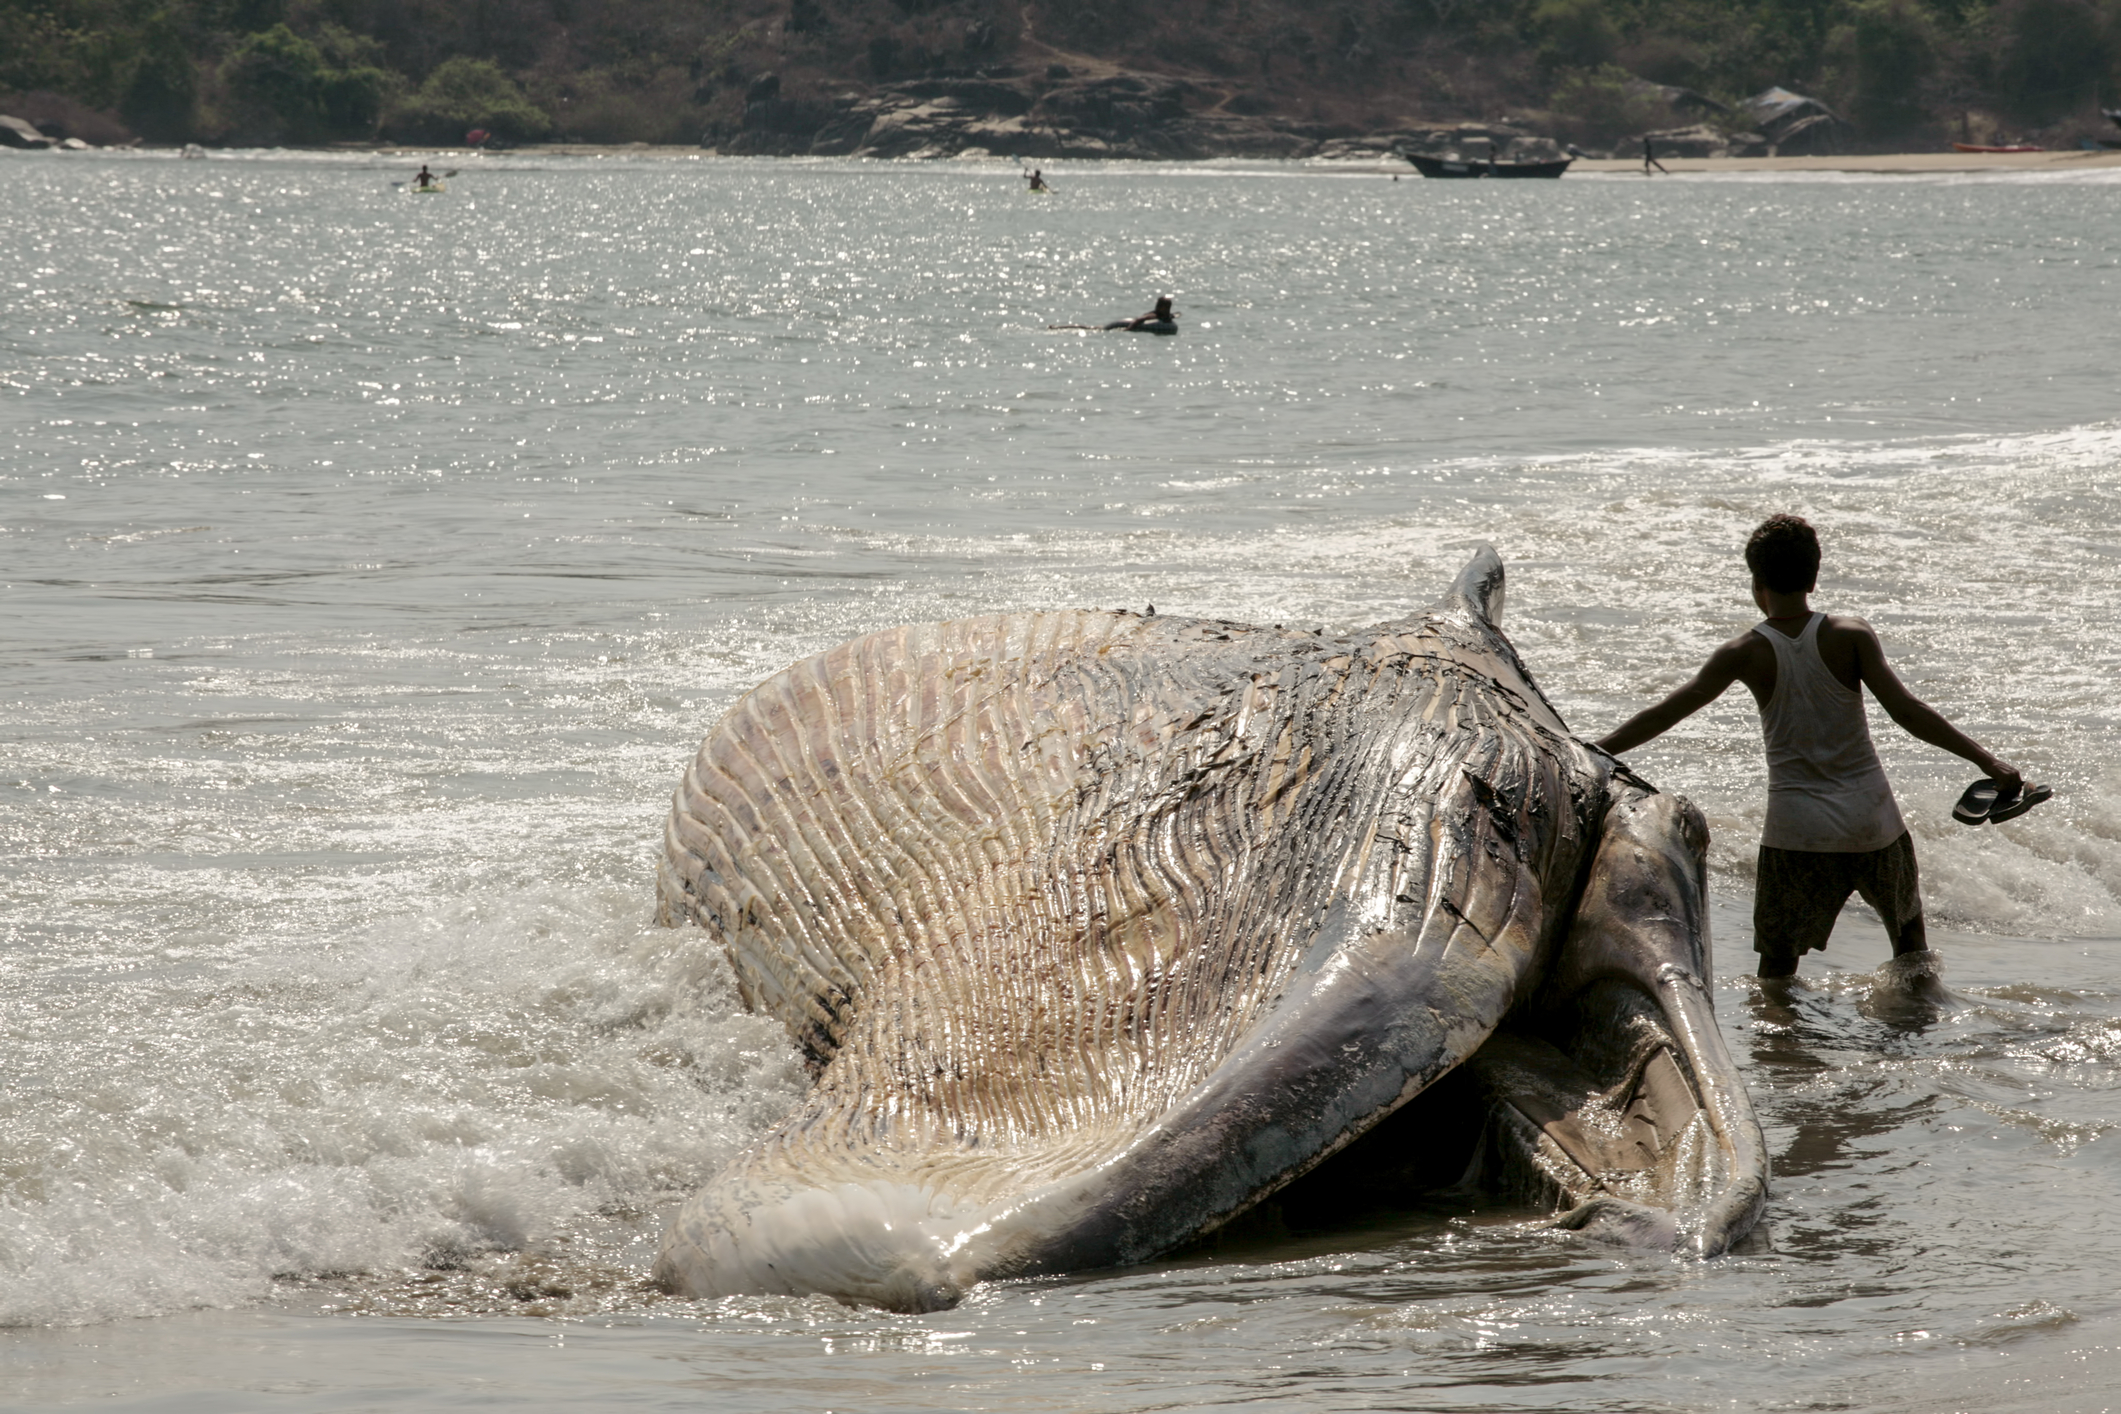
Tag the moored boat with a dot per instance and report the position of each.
(1430, 165)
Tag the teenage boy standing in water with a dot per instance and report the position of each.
(1832, 825)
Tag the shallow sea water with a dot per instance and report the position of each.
(370, 565)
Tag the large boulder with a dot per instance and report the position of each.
(1118, 107)
(20, 132)
(58, 118)
(915, 127)
(1007, 97)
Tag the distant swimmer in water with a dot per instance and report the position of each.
(1038, 181)
(1161, 320)
(426, 178)
(1833, 827)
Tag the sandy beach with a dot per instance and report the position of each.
(1879, 164)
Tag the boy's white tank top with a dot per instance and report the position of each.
(1826, 791)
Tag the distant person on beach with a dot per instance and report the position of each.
(1649, 159)
(1038, 181)
(1832, 827)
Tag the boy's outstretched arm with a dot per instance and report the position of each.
(1717, 674)
(1918, 718)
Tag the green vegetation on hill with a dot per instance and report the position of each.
(306, 71)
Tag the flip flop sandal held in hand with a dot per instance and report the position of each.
(1974, 806)
(2010, 807)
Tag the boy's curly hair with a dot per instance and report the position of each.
(1783, 554)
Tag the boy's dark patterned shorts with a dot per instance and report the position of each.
(1800, 893)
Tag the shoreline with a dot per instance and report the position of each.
(2059, 161)
(1883, 164)
(1874, 164)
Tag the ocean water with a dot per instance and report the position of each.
(370, 565)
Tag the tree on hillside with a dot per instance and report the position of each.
(275, 84)
(281, 88)
(1893, 46)
(463, 94)
(161, 100)
(2054, 56)
(1574, 34)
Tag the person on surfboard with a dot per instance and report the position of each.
(1163, 314)
(1161, 320)
(1833, 827)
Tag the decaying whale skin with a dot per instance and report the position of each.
(1099, 928)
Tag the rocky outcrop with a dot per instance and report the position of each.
(1117, 115)
(1120, 114)
(1059, 114)
(18, 132)
(56, 117)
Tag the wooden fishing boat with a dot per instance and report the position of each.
(1431, 166)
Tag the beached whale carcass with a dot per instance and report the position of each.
(1099, 928)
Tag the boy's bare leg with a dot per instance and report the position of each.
(1911, 938)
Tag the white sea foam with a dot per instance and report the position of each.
(485, 1077)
